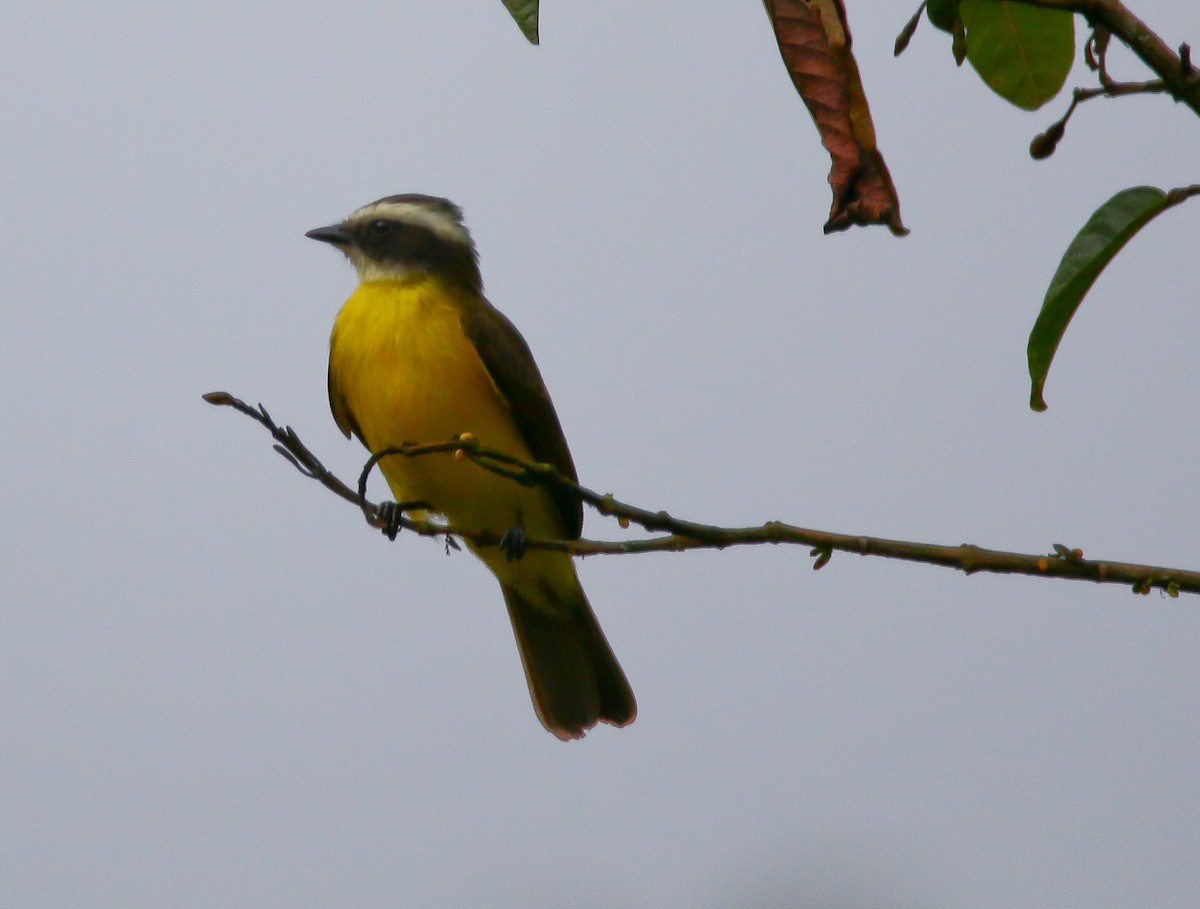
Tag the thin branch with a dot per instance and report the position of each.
(1175, 70)
(680, 535)
(1044, 143)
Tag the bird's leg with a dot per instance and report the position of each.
(390, 514)
(513, 541)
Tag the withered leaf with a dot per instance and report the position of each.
(814, 41)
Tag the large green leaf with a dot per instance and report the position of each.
(525, 12)
(1022, 52)
(1109, 229)
(942, 13)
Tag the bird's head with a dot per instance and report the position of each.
(399, 236)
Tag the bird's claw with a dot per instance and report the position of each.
(513, 543)
(391, 514)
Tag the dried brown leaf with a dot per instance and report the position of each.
(815, 44)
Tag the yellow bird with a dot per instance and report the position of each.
(418, 354)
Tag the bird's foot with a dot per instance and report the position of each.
(513, 543)
(391, 514)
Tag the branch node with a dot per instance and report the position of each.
(1067, 554)
(823, 555)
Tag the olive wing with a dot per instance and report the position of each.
(511, 366)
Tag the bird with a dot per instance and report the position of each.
(418, 354)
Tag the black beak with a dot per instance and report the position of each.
(334, 233)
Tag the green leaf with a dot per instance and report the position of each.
(942, 14)
(1022, 52)
(1109, 229)
(525, 13)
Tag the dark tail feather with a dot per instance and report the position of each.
(574, 679)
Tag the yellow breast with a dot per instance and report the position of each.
(408, 373)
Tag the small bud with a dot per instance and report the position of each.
(959, 43)
(1044, 144)
(623, 522)
(906, 33)
(460, 454)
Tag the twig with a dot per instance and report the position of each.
(1044, 143)
(679, 535)
(1175, 70)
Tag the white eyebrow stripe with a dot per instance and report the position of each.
(440, 223)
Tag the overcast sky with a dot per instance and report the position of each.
(219, 688)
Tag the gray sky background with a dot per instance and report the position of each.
(218, 688)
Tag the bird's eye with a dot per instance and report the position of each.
(379, 227)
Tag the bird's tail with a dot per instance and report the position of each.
(574, 679)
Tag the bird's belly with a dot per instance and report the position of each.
(409, 373)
